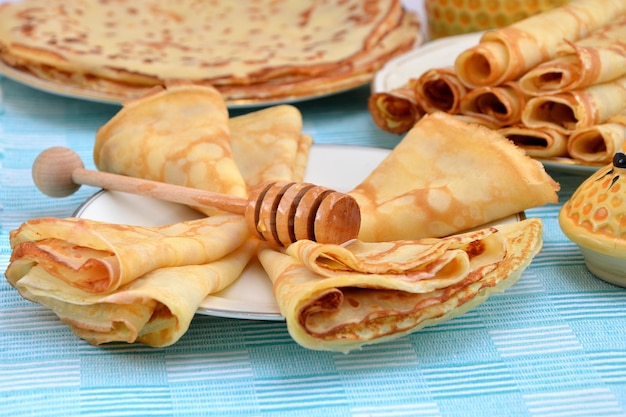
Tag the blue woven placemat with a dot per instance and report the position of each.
(553, 345)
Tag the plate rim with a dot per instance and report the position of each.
(379, 84)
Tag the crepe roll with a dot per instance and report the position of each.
(439, 89)
(507, 53)
(537, 142)
(99, 257)
(397, 110)
(441, 179)
(384, 297)
(598, 144)
(577, 109)
(501, 105)
(596, 59)
(179, 135)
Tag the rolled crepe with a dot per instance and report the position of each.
(441, 179)
(576, 109)
(595, 59)
(598, 144)
(100, 257)
(179, 135)
(395, 111)
(501, 105)
(507, 53)
(155, 309)
(537, 142)
(439, 89)
(268, 144)
(382, 291)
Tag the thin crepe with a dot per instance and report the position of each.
(507, 53)
(179, 135)
(155, 309)
(396, 111)
(122, 49)
(500, 105)
(348, 74)
(101, 257)
(576, 109)
(348, 309)
(447, 176)
(595, 59)
(599, 143)
(537, 142)
(439, 89)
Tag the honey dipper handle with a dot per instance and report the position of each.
(159, 190)
(59, 172)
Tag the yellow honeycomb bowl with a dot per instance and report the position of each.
(595, 219)
(454, 17)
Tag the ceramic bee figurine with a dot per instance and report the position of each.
(595, 219)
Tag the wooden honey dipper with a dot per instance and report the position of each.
(277, 212)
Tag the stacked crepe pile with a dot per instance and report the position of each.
(266, 51)
(554, 84)
(413, 265)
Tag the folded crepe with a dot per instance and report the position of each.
(501, 105)
(127, 283)
(447, 176)
(268, 144)
(595, 59)
(598, 144)
(179, 135)
(576, 109)
(155, 309)
(397, 110)
(342, 298)
(507, 53)
(439, 89)
(101, 257)
(540, 142)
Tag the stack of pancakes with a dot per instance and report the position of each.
(251, 52)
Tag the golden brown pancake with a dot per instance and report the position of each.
(383, 291)
(447, 176)
(286, 48)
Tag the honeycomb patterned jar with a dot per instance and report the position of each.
(453, 17)
(595, 219)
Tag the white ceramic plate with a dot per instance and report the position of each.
(250, 297)
(441, 53)
(64, 90)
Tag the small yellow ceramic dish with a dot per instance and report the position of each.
(595, 219)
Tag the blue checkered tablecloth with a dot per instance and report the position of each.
(552, 345)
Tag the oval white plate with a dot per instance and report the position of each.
(250, 297)
(441, 53)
